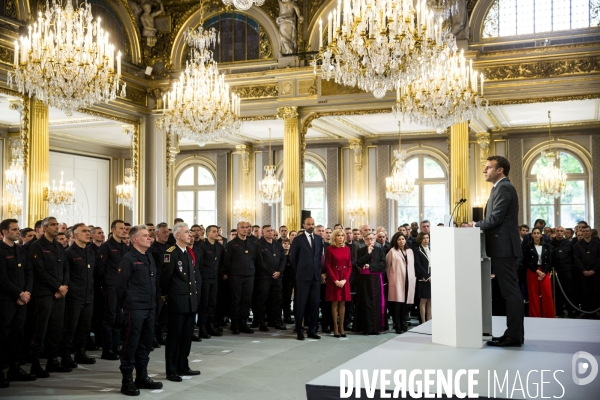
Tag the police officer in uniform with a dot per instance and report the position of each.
(80, 299)
(269, 274)
(107, 262)
(16, 282)
(239, 261)
(211, 252)
(178, 284)
(136, 296)
(158, 249)
(50, 286)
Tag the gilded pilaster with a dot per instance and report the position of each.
(39, 162)
(459, 170)
(243, 151)
(483, 188)
(291, 167)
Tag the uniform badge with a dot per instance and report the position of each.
(180, 268)
(167, 258)
(179, 263)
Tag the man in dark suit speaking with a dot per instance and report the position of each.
(503, 246)
(306, 260)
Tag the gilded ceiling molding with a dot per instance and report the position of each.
(256, 92)
(543, 69)
(544, 99)
(260, 118)
(331, 88)
(542, 49)
(109, 116)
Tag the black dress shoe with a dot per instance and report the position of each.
(300, 336)
(109, 355)
(343, 335)
(174, 378)
(189, 372)
(336, 336)
(196, 338)
(505, 341)
(146, 382)
(314, 336)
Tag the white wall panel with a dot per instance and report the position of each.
(91, 178)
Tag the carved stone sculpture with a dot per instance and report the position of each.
(289, 14)
(146, 18)
(458, 22)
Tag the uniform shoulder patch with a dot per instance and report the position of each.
(170, 249)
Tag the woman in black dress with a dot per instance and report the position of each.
(423, 272)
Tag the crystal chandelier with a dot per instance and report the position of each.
(374, 44)
(356, 209)
(447, 93)
(551, 181)
(14, 178)
(270, 189)
(242, 209)
(126, 190)
(60, 197)
(200, 107)
(243, 4)
(400, 184)
(443, 8)
(66, 60)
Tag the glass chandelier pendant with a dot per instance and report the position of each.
(551, 181)
(400, 184)
(374, 44)
(443, 8)
(126, 191)
(242, 209)
(66, 60)
(200, 107)
(450, 92)
(243, 4)
(270, 189)
(356, 209)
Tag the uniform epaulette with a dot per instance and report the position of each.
(170, 249)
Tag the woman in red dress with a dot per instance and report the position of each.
(339, 267)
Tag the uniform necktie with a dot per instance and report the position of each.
(310, 240)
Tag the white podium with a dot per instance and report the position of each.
(461, 289)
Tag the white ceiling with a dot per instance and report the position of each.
(92, 129)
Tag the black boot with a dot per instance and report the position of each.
(203, 332)
(246, 329)
(4, 383)
(213, 331)
(280, 325)
(235, 328)
(36, 368)
(82, 358)
(67, 361)
(16, 374)
(128, 386)
(109, 355)
(143, 381)
(263, 327)
(52, 365)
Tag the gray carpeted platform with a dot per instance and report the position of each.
(550, 345)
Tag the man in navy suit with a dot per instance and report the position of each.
(305, 257)
(503, 245)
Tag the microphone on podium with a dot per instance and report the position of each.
(458, 204)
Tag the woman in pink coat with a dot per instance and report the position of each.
(338, 262)
(400, 269)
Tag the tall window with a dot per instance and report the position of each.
(429, 200)
(314, 193)
(569, 208)
(522, 17)
(195, 196)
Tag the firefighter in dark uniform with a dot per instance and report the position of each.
(178, 284)
(107, 262)
(136, 296)
(239, 262)
(80, 299)
(159, 248)
(212, 256)
(50, 286)
(16, 282)
(269, 274)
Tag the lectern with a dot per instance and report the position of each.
(461, 290)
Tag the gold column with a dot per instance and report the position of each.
(291, 167)
(459, 170)
(39, 162)
(483, 188)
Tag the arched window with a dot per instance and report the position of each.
(195, 195)
(429, 200)
(569, 208)
(315, 193)
(522, 17)
(241, 39)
